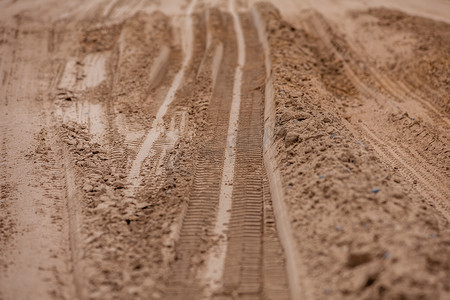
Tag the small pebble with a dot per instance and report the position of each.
(290, 138)
(88, 188)
(375, 190)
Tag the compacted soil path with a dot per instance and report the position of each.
(224, 149)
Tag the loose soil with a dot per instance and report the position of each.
(224, 150)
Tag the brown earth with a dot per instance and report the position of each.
(224, 150)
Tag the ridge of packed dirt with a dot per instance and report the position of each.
(350, 233)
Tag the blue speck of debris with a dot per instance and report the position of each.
(362, 144)
(375, 190)
(387, 255)
(332, 136)
(321, 176)
(338, 228)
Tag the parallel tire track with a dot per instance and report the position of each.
(204, 195)
(230, 202)
(248, 240)
(377, 84)
(243, 262)
(428, 184)
(433, 192)
(216, 260)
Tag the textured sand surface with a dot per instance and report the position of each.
(220, 149)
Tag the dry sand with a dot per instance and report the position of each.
(224, 149)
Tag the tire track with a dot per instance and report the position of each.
(294, 272)
(215, 264)
(429, 185)
(74, 212)
(425, 91)
(200, 214)
(246, 256)
(274, 264)
(400, 92)
(228, 242)
(158, 156)
(71, 196)
(157, 127)
(425, 183)
(36, 250)
(378, 84)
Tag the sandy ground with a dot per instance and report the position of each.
(224, 149)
